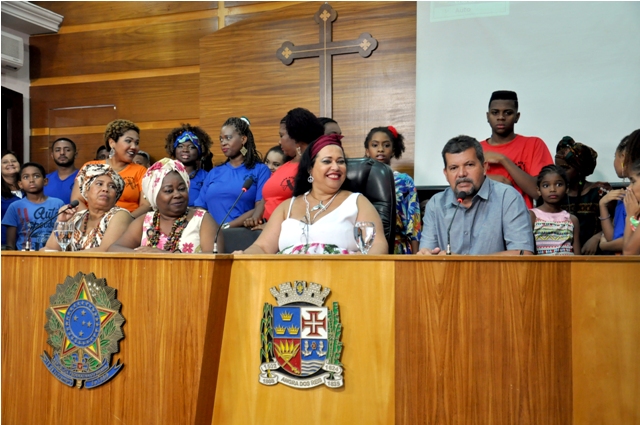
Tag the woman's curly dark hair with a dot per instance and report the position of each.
(116, 129)
(302, 126)
(241, 125)
(203, 138)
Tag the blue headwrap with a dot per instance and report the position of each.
(188, 136)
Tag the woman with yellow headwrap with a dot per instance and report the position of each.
(102, 223)
(172, 226)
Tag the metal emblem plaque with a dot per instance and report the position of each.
(84, 326)
(300, 338)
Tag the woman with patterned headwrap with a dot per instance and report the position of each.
(172, 226)
(583, 197)
(190, 144)
(102, 223)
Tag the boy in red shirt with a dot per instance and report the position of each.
(513, 159)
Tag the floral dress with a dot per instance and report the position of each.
(189, 240)
(408, 223)
(92, 238)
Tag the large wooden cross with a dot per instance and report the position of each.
(325, 49)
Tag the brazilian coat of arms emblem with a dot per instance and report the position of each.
(84, 326)
(300, 338)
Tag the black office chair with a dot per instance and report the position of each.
(375, 181)
(239, 238)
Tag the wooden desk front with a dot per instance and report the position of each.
(443, 341)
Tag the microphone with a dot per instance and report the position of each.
(27, 243)
(461, 196)
(247, 184)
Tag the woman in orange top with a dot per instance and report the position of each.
(122, 137)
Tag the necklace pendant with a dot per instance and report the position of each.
(319, 207)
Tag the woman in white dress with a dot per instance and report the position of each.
(320, 217)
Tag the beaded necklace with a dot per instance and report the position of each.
(174, 236)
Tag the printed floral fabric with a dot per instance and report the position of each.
(152, 180)
(408, 223)
(189, 241)
(93, 237)
(313, 248)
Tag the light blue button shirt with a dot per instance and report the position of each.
(497, 220)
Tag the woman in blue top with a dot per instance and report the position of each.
(224, 183)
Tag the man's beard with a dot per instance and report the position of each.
(470, 191)
(69, 162)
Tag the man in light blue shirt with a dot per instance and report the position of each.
(490, 217)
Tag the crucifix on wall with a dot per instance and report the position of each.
(325, 49)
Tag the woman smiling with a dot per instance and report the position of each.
(172, 226)
(122, 138)
(320, 218)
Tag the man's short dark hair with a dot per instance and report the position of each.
(460, 144)
(504, 95)
(64, 139)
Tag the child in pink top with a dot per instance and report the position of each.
(556, 231)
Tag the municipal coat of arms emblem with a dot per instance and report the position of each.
(84, 326)
(300, 338)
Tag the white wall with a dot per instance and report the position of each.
(19, 81)
(574, 65)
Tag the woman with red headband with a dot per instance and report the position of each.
(320, 217)
(382, 144)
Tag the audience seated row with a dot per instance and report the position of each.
(122, 205)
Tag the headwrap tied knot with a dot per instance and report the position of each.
(322, 141)
(152, 180)
(188, 136)
(90, 172)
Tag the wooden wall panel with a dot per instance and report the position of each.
(494, 345)
(111, 50)
(144, 99)
(379, 90)
(88, 12)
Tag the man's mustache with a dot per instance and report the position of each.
(464, 180)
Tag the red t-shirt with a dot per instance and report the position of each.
(279, 187)
(530, 154)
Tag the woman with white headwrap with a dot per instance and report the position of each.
(172, 226)
(102, 223)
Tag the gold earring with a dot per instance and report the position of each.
(243, 151)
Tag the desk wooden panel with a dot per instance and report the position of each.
(460, 340)
(170, 305)
(606, 341)
(364, 291)
(483, 342)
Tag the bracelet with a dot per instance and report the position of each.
(605, 218)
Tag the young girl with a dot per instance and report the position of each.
(556, 231)
(275, 158)
(613, 223)
(381, 144)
